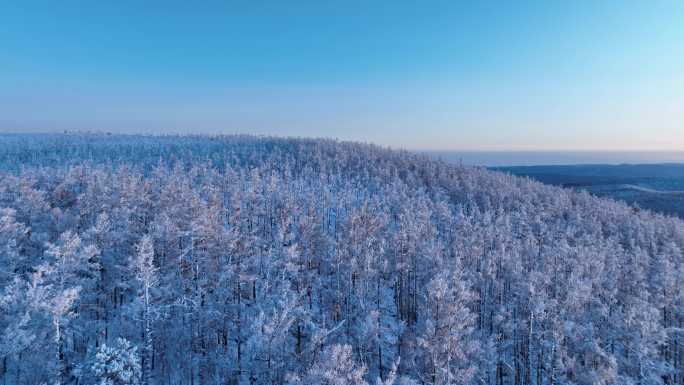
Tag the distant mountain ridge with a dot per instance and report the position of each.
(557, 158)
(659, 187)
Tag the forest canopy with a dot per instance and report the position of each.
(259, 260)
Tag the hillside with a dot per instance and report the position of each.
(656, 187)
(246, 260)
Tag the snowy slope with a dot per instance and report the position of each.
(245, 260)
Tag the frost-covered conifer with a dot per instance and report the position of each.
(117, 365)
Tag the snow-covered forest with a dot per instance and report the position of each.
(245, 260)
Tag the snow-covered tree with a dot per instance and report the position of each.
(146, 274)
(117, 365)
(447, 337)
(335, 366)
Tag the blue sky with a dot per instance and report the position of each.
(529, 75)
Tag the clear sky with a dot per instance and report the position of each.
(509, 75)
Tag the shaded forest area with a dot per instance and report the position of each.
(656, 187)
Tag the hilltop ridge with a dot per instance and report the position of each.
(261, 260)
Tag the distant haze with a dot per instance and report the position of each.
(532, 158)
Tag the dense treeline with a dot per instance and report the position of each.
(244, 260)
